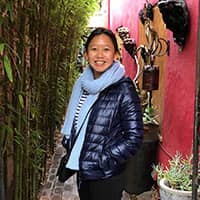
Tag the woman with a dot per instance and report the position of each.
(103, 126)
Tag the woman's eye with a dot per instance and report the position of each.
(93, 49)
(106, 49)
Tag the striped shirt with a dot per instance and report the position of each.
(81, 101)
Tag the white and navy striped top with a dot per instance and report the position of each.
(81, 101)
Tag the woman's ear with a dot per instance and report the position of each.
(117, 56)
(85, 55)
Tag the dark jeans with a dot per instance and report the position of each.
(106, 189)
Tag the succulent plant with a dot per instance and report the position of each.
(178, 173)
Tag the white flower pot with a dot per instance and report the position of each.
(167, 193)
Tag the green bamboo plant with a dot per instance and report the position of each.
(39, 42)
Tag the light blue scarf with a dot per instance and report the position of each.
(93, 86)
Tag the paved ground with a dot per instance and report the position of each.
(54, 190)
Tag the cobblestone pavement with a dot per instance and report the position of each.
(54, 190)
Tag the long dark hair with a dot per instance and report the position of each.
(99, 31)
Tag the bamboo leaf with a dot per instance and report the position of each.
(2, 45)
(5, 131)
(8, 68)
(10, 11)
(18, 138)
(21, 100)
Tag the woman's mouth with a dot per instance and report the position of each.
(100, 62)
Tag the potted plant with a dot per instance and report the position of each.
(175, 181)
(150, 118)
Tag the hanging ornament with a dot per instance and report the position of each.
(150, 79)
(175, 14)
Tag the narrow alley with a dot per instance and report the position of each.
(54, 190)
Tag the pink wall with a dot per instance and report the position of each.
(178, 116)
(179, 84)
(124, 12)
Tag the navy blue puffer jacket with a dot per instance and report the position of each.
(114, 132)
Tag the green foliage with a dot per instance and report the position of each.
(2, 45)
(39, 43)
(149, 116)
(178, 173)
(5, 131)
(36, 151)
(7, 67)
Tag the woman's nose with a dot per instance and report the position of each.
(99, 53)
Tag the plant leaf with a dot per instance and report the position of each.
(21, 100)
(10, 10)
(8, 68)
(2, 45)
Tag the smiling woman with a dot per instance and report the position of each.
(103, 126)
(100, 53)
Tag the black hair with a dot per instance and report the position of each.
(99, 31)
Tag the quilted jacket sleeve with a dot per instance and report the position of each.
(132, 129)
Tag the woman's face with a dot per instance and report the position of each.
(100, 54)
